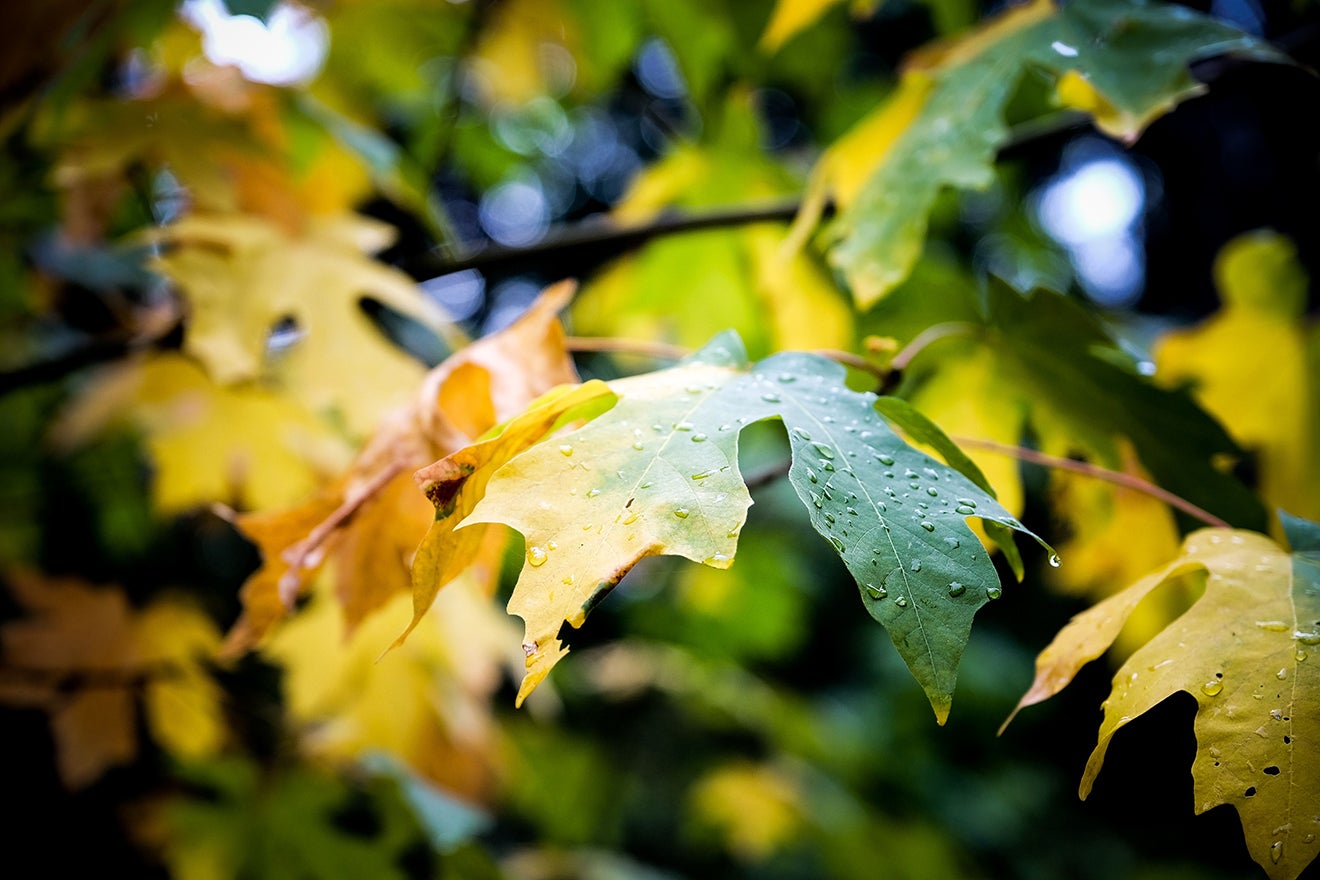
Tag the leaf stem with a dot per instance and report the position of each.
(1128, 481)
(856, 361)
(925, 338)
(302, 555)
(890, 379)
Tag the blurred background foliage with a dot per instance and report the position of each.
(191, 315)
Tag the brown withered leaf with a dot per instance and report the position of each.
(368, 522)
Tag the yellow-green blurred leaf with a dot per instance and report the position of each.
(242, 445)
(242, 276)
(685, 289)
(756, 808)
(1248, 365)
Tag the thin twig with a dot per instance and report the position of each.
(767, 475)
(104, 349)
(922, 340)
(299, 556)
(75, 679)
(661, 351)
(889, 380)
(1118, 478)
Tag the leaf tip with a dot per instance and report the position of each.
(941, 703)
(1011, 715)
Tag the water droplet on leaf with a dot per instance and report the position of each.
(1212, 688)
(536, 556)
(956, 589)
(928, 526)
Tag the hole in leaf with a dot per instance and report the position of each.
(1271, 770)
(1251, 792)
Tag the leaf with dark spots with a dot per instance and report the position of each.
(1243, 651)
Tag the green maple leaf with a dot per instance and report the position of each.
(1124, 62)
(657, 474)
(1244, 652)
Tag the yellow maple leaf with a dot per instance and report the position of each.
(242, 276)
(86, 656)
(1248, 366)
(514, 59)
(239, 444)
(427, 703)
(1241, 651)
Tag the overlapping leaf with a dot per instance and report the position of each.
(240, 444)
(428, 704)
(1123, 61)
(1244, 652)
(368, 521)
(1041, 364)
(658, 474)
(243, 276)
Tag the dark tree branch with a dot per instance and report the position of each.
(598, 235)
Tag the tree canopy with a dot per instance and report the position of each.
(543, 438)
